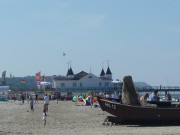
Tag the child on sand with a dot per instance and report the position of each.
(44, 117)
(31, 104)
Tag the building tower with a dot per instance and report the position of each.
(70, 74)
(102, 73)
(108, 73)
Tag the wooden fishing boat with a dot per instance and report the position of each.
(163, 110)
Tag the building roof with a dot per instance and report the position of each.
(76, 76)
(70, 72)
(108, 71)
(67, 73)
(81, 74)
(102, 72)
(60, 77)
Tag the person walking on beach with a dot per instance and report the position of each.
(49, 96)
(22, 98)
(27, 98)
(58, 97)
(31, 104)
(44, 116)
(92, 99)
(46, 102)
(36, 99)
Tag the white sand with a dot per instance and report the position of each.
(67, 119)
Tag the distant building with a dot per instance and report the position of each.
(4, 90)
(83, 81)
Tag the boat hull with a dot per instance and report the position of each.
(129, 112)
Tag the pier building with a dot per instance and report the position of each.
(83, 81)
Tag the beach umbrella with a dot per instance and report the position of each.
(80, 98)
(84, 101)
(45, 83)
(75, 98)
(88, 98)
(115, 81)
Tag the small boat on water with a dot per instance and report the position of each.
(162, 110)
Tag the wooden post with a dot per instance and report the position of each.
(129, 93)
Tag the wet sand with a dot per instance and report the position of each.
(69, 118)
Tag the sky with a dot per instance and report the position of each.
(136, 37)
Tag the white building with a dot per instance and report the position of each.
(4, 90)
(83, 81)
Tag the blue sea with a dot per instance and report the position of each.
(174, 94)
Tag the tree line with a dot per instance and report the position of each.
(27, 82)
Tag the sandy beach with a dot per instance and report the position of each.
(68, 118)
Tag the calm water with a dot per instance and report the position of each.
(174, 94)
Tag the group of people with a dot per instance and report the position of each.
(86, 100)
(92, 96)
(46, 103)
(29, 97)
(31, 102)
(154, 96)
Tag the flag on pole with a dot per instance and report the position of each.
(23, 81)
(42, 79)
(37, 78)
(64, 54)
(4, 78)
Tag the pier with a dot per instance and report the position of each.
(159, 88)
